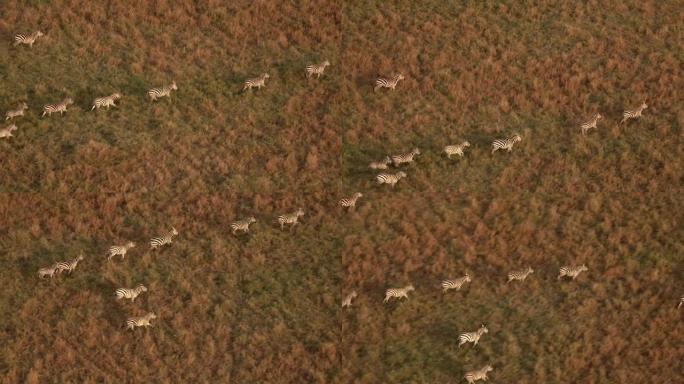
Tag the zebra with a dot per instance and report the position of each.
(457, 149)
(380, 164)
(316, 69)
(60, 107)
(69, 265)
(390, 83)
(16, 112)
(391, 179)
(290, 218)
(591, 123)
(27, 39)
(6, 132)
(478, 374)
(142, 321)
(633, 113)
(242, 225)
(106, 101)
(455, 283)
(48, 271)
(121, 250)
(520, 275)
(130, 293)
(164, 239)
(397, 160)
(350, 202)
(257, 82)
(347, 302)
(505, 143)
(572, 271)
(472, 337)
(165, 91)
(398, 293)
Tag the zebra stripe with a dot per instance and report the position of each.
(165, 91)
(290, 218)
(572, 271)
(478, 374)
(60, 107)
(27, 39)
(380, 164)
(130, 293)
(347, 302)
(164, 239)
(16, 112)
(106, 101)
(520, 275)
(390, 83)
(591, 123)
(472, 337)
(506, 144)
(69, 265)
(455, 283)
(6, 132)
(257, 82)
(143, 321)
(397, 160)
(633, 113)
(120, 250)
(457, 149)
(316, 69)
(398, 293)
(48, 271)
(351, 201)
(388, 178)
(242, 225)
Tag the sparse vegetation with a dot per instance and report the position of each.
(265, 306)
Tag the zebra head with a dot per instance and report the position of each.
(251, 220)
(300, 212)
(80, 257)
(530, 270)
(598, 117)
(68, 101)
(130, 244)
(483, 329)
(517, 138)
(326, 63)
(265, 76)
(353, 294)
(401, 174)
(415, 151)
(151, 316)
(465, 143)
(23, 106)
(643, 106)
(142, 288)
(116, 95)
(12, 127)
(410, 288)
(39, 34)
(488, 368)
(174, 86)
(400, 77)
(387, 160)
(358, 194)
(466, 278)
(174, 231)
(583, 268)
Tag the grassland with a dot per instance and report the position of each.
(264, 308)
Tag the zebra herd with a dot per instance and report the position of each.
(292, 219)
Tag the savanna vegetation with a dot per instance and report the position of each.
(265, 307)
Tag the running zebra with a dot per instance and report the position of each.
(60, 107)
(130, 293)
(257, 82)
(165, 91)
(350, 202)
(69, 265)
(6, 132)
(290, 218)
(391, 179)
(380, 164)
(164, 239)
(120, 250)
(633, 113)
(520, 275)
(572, 271)
(398, 160)
(242, 225)
(16, 112)
(591, 123)
(455, 283)
(107, 101)
(347, 302)
(472, 337)
(398, 293)
(316, 69)
(48, 271)
(457, 149)
(142, 321)
(506, 144)
(390, 83)
(27, 39)
(478, 374)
